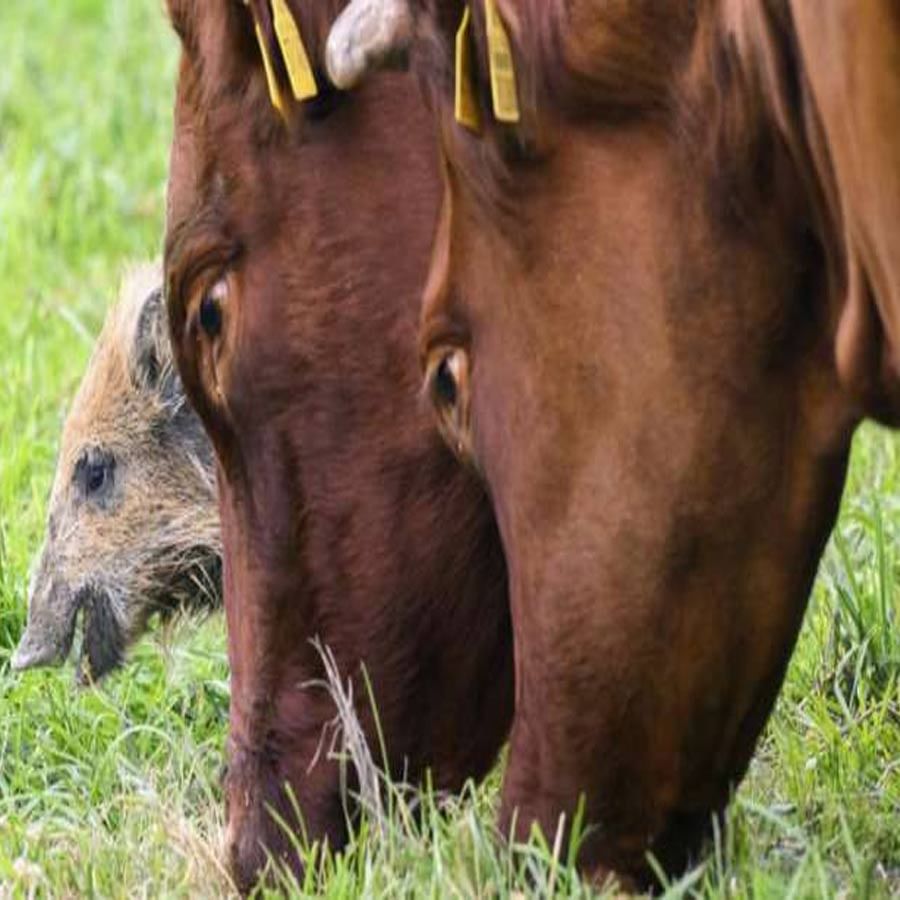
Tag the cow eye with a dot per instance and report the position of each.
(447, 383)
(94, 473)
(444, 385)
(211, 308)
(448, 377)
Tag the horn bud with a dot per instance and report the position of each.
(365, 36)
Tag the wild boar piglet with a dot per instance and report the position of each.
(132, 526)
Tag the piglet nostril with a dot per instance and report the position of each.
(30, 654)
(22, 658)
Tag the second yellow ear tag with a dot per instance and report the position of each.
(466, 104)
(300, 73)
(504, 92)
(271, 81)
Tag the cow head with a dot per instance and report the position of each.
(293, 282)
(655, 312)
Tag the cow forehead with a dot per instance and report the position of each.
(230, 38)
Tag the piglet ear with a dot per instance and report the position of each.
(151, 362)
(148, 351)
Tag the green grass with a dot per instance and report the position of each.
(115, 791)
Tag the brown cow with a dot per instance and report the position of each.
(296, 254)
(659, 304)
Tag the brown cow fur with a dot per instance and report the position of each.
(671, 293)
(344, 516)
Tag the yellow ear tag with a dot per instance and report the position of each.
(465, 106)
(274, 92)
(503, 73)
(300, 73)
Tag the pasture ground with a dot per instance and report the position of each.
(114, 791)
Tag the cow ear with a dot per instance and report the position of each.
(848, 56)
(152, 365)
(865, 357)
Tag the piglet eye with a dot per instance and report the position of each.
(211, 308)
(94, 473)
(95, 477)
